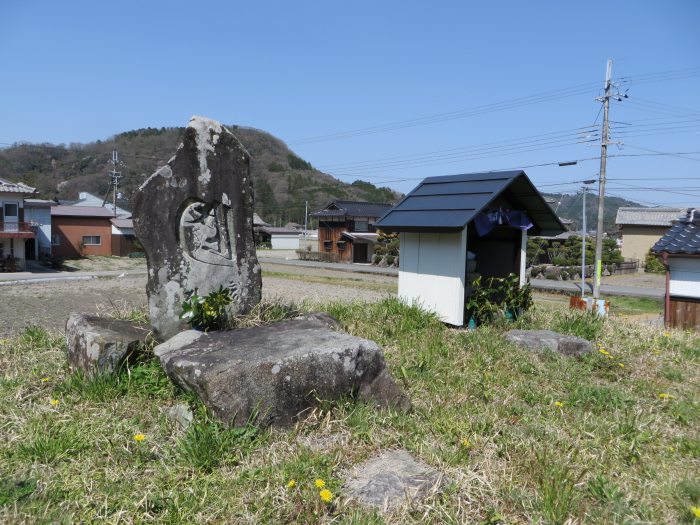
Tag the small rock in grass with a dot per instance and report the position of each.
(181, 415)
(390, 480)
(538, 340)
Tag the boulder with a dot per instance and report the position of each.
(538, 340)
(194, 218)
(279, 371)
(390, 480)
(98, 345)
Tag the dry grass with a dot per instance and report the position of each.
(519, 437)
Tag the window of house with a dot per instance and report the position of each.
(341, 245)
(11, 209)
(92, 240)
(361, 225)
(55, 240)
(327, 245)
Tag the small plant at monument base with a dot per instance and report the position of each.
(207, 312)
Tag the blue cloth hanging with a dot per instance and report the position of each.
(486, 221)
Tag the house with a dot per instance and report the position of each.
(679, 249)
(346, 229)
(15, 229)
(454, 228)
(90, 200)
(81, 230)
(279, 238)
(37, 212)
(640, 228)
(123, 238)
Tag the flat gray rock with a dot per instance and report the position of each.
(98, 345)
(278, 371)
(538, 340)
(391, 480)
(194, 218)
(181, 415)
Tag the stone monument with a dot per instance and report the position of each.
(194, 218)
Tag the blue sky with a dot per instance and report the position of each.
(81, 71)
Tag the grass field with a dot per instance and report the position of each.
(611, 437)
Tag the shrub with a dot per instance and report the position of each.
(207, 312)
(652, 264)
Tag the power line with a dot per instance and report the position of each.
(451, 115)
(497, 106)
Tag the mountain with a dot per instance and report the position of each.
(568, 206)
(283, 182)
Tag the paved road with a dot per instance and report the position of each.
(539, 284)
(605, 289)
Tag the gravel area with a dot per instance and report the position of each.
(48, 304)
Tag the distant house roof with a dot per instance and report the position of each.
(15, 187)
(684, 236)
(273, 230)
(257, 221)
(81, 211)
(38, 203)
(353, 209)
(294, 226)
(88, 199)
(354, 236)
(647, 216)
(122, 223)
(449, 203)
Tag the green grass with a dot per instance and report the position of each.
(519, 437)
(622, 305)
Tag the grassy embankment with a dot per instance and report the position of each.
(519, 437)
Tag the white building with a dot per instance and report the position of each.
(680, 251)
(15, 230)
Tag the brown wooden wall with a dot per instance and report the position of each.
(684, 313)
(123, 245)
(332, 231)
(71, 231)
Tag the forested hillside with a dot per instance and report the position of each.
(283, 182)
(568, 206)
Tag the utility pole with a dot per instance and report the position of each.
(584, 189)
(115, 176)
(605, 99)
(306, 214)
(583, 244)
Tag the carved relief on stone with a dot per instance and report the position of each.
(204, 233)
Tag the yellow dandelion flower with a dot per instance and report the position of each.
(54, 402)
(558, 404)
(326, 495)
(44, 379)
(620, 365)
(666, 395)
(667, 334)
(695, 511)
(466, 443)
(319, 483)
(139, 437)
(291, 484)
(603, 351)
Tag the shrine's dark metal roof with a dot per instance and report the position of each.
(450, 202)
(683, 238)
